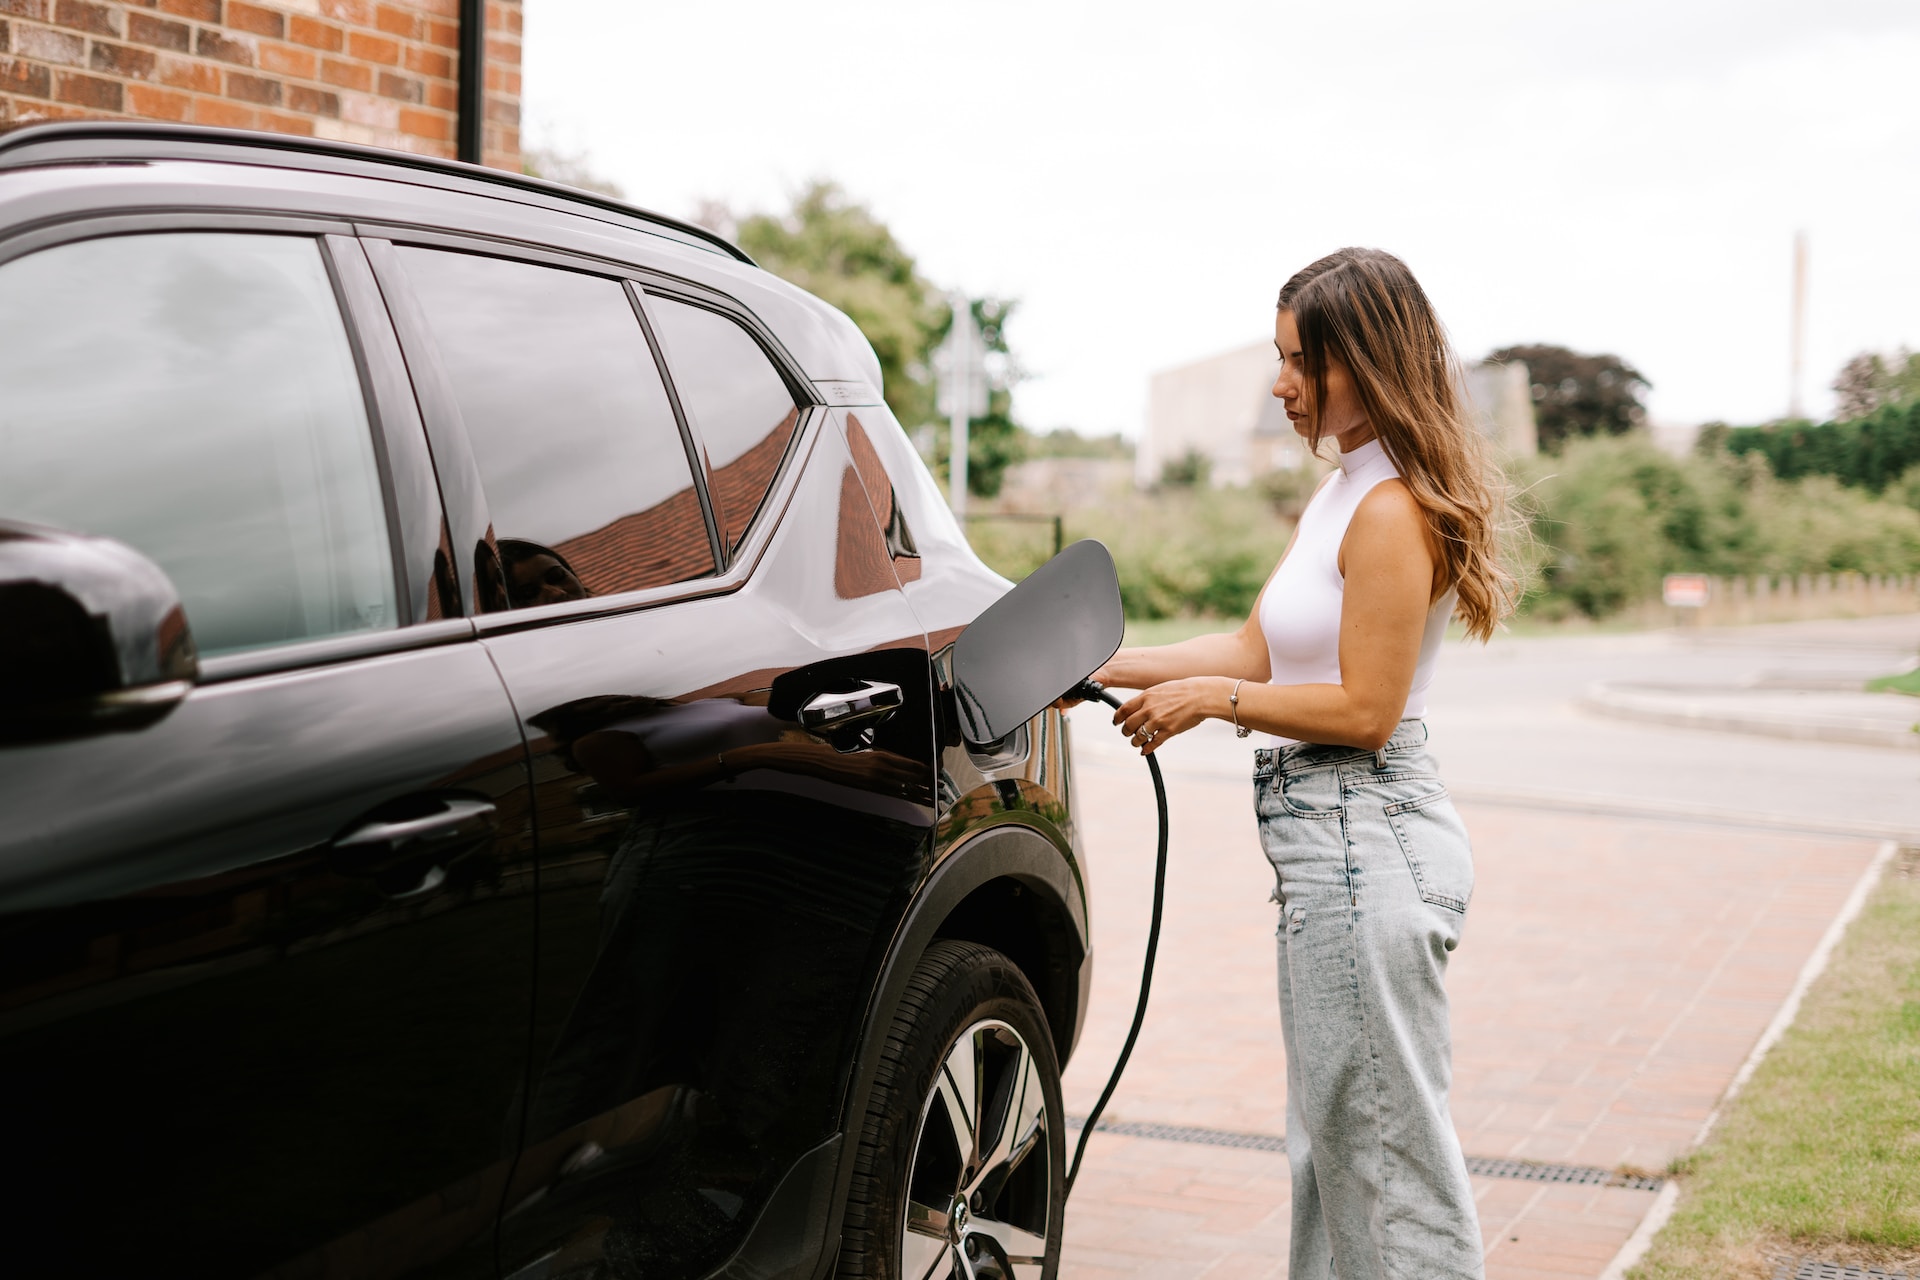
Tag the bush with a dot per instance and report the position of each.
(1871, 452)
(1608, 518)
(1180, 553)
(1611, 516)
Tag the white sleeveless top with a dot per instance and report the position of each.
(1300, 613)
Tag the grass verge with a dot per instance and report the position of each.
(1820, 1154)
(1908, 683)
(1151, 631)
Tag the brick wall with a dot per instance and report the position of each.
(371, 71)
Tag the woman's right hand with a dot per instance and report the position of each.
(1103, 677)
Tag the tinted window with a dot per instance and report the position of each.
(194, 396)
(742, 410)
(585, 470)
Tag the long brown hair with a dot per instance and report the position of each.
(1364, 309)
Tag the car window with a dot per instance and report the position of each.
(742, 410)
(194, 396)
(585, 470)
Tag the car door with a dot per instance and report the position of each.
(265, 999)
(691, 562)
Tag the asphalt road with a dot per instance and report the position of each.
(1507, 718)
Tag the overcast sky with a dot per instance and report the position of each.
(1622, 177)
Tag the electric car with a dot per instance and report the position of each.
(484, 789)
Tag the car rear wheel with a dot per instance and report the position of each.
(961, 1165)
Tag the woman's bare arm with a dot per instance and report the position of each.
(1238, 654)
(1388, 563)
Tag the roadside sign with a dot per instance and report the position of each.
(1685, 590)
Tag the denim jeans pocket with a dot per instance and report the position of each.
(1311, 793)
(1434, 841)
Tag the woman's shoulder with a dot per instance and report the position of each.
(1388, 500)
(1389, 512)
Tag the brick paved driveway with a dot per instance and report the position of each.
(1614, 974)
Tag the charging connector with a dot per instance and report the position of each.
(1089, 691)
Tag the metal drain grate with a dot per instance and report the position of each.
(1524, 1170)
(1579, 1175)
(1813, 1269)
(1187, 1133)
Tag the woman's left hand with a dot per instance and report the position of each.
(1169, 709)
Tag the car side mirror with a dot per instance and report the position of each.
(92, 636)
(1037, 642)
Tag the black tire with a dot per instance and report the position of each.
(922, 1192)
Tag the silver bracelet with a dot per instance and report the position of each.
(1233, 701)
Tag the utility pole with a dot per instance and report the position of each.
(962, 370)
(1795, 405)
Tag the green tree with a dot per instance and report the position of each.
(1576, 394)
(833, 247)
(1870, 382)
(1870, 452)
(569, 168)
(1190, 470)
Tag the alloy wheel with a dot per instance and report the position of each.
(978, 1188)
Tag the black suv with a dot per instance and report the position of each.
(483, 789)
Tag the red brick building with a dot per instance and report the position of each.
(389, 73)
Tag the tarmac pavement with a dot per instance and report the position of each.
(1641, 913)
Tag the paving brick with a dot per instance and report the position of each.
(1613, 976)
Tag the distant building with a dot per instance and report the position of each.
(1223, 408)
(1676, 438)
(1501, 398)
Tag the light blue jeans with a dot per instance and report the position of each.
(1374, 873)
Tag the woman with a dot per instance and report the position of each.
(1373, 866)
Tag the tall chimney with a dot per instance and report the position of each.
(1796, 407)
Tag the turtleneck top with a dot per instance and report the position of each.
(1300, 612)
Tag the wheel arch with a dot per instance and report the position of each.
(1008, 887)
(1026, 923)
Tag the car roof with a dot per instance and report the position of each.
(831, 350)
(110, 141)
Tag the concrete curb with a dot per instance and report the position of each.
(1674, 707)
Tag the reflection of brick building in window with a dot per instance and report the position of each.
(875, 550)
(739, 486)
(667, 542)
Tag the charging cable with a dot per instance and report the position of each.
(1088, 691)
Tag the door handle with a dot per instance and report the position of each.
(406, 846)
(847, 717)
